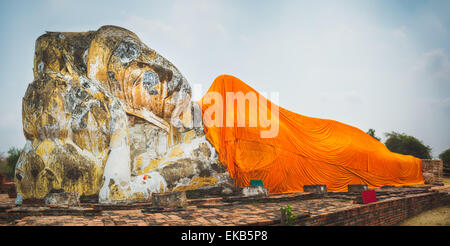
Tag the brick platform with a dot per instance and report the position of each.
(4, 188)
(394, 205)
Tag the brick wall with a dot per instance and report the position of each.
(432, 171)
(4, 188)
(387, 212)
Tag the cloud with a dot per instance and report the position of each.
(150, 27)
(399, 32)
(57, 5)
(10, 120)
(353, 98)
(440, 104)
(187, 24)
(435, 64)
(446, 102)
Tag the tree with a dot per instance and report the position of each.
(407, 145)
(11, 160)
(445, 157)
(371, 132)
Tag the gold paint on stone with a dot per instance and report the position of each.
(198, 182)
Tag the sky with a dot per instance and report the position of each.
(370, 64)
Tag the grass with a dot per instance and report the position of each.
(446, 180)
(435, 217)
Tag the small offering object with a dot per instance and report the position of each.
(368, 196)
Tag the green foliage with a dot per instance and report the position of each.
(371, 132)
(13, 157)
(8, 166)
(407, 145)
(290, 216)
(445, 157)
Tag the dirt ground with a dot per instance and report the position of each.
(435, 217)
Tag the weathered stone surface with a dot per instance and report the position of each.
(255, 191)
(388, 186)
(62, 198)
(357, 187)
(108, 116)
(169, 200)
(428, 178)
(227, 191)
(319, 189)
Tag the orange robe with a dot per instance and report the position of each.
(305, 151)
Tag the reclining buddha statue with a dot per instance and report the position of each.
(108, 116)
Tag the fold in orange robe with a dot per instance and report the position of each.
(305, 151)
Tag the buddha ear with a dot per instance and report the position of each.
(106, 41)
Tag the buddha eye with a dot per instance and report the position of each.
(149, 80)
(19, 176)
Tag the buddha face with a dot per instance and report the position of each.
(149, 85)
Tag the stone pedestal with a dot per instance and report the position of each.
(357, 187)
(388, 187)
(432, 171)
(255, 191)
(62, 198)
(319, 189)
(169, 200)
